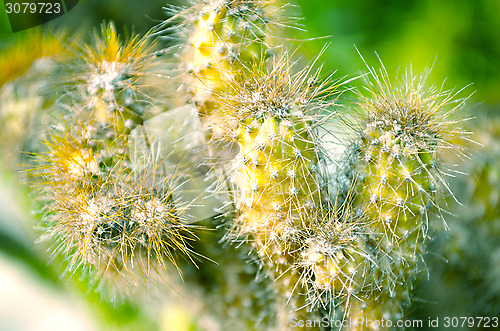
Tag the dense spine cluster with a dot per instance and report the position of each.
(398, 171)
(115, 221)
(109, 82)
(336, 259)
(224, 40)
(109, 214)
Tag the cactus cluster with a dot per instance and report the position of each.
(112, 214)
(307, 232)
(403, 130)
(221, 42)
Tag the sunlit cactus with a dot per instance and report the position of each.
(276, 173)
(108, 212)
(115, 220)
(110, 80)
(309, 210)
(337, 259)
(279, 152)
(223, 41)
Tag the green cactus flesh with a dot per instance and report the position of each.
(276, 175)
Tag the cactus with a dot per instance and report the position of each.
(308, 233)
(276, 179)
(223, 40)
(109, 81)
(361, 260)
(404, 130)
(108, 219)
(105, 211)
(279, 152)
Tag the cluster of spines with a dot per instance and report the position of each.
(394, 179)
(407, 128)
(223, 41)
(109, 80)
(336, 259)
(108, 213)
(276, 173)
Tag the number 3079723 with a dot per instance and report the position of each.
(33, 7)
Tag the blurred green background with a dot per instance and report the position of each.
(459, 38)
